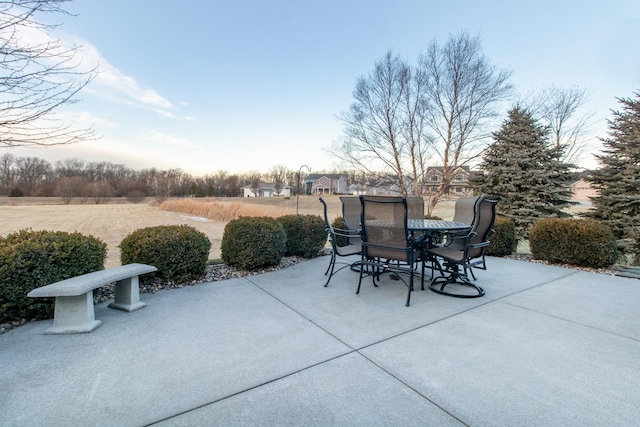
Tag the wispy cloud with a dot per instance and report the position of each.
(113, 84)
(110, 82)
(158, 137)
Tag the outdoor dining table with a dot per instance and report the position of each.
(435, 226)
(432, 229)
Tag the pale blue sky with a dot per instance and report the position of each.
(246, 85)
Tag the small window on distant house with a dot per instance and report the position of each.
(459, 177)
(458, 189)
(434, 178)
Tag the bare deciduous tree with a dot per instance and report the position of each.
(278, 175)
(403, 116)
(38, 74)
(32, 172)
(253, 178)
(100, 191)
(378, 132)
(463, 91)
(7, 174)
(69, 187)
(561, 109)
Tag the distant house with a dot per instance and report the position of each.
(357, 189)
(582, 190)
(266, 190)
(325, 184)
(459, 185)
(385, 186)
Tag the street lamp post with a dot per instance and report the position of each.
(298, 192)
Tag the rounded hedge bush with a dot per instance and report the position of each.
(31, 259)
(340, 240)
(179, 252)
(253, 242)
(306, 234)
(581, 242)
(503, 240)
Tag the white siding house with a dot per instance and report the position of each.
(265, 190)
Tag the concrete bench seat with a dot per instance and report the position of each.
(74, 313)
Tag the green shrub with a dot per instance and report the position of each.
(253, 242)
(433, 217)
(179, 252)
(31, 259)
(340, 240)
(582, 242)
(306, 234)
(503, 240)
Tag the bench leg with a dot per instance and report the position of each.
(74, 315)
(128, 295)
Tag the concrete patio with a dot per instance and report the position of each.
(545, 346)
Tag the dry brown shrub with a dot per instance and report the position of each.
(216, 210)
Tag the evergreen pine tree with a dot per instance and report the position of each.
(617, 180)
(520, 167)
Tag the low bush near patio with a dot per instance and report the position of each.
(31, 259)
(179, 252)
(503, 240)
(581, 242)
(339, 223)
(306, 234)
(253, 242)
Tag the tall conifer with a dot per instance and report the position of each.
(617, 180)
(520, 167)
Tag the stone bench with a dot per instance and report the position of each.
(74, 313)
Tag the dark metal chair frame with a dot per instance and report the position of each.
(461, 253)
(380, 256)
(336, 235)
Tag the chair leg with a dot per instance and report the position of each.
(455, 277)
(361, 273)
(332, 265)
(410, 286)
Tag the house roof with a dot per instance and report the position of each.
(316, 176)
(439, 168)
(265, 186)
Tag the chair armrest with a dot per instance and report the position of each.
(478, 245)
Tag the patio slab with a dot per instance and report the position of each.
(502, 365)
(347, 391)
(546, 346)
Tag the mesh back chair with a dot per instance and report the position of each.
(465, 210)
(462, 252)
(351, 208)
(387, 246)
(415, 207)
(344, 243)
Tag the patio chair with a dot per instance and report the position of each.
(351, 208)
(415, 207)
(387, 245)
(465, 211)
(460, 253)
(344, 243)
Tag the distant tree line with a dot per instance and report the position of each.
(79, 180)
